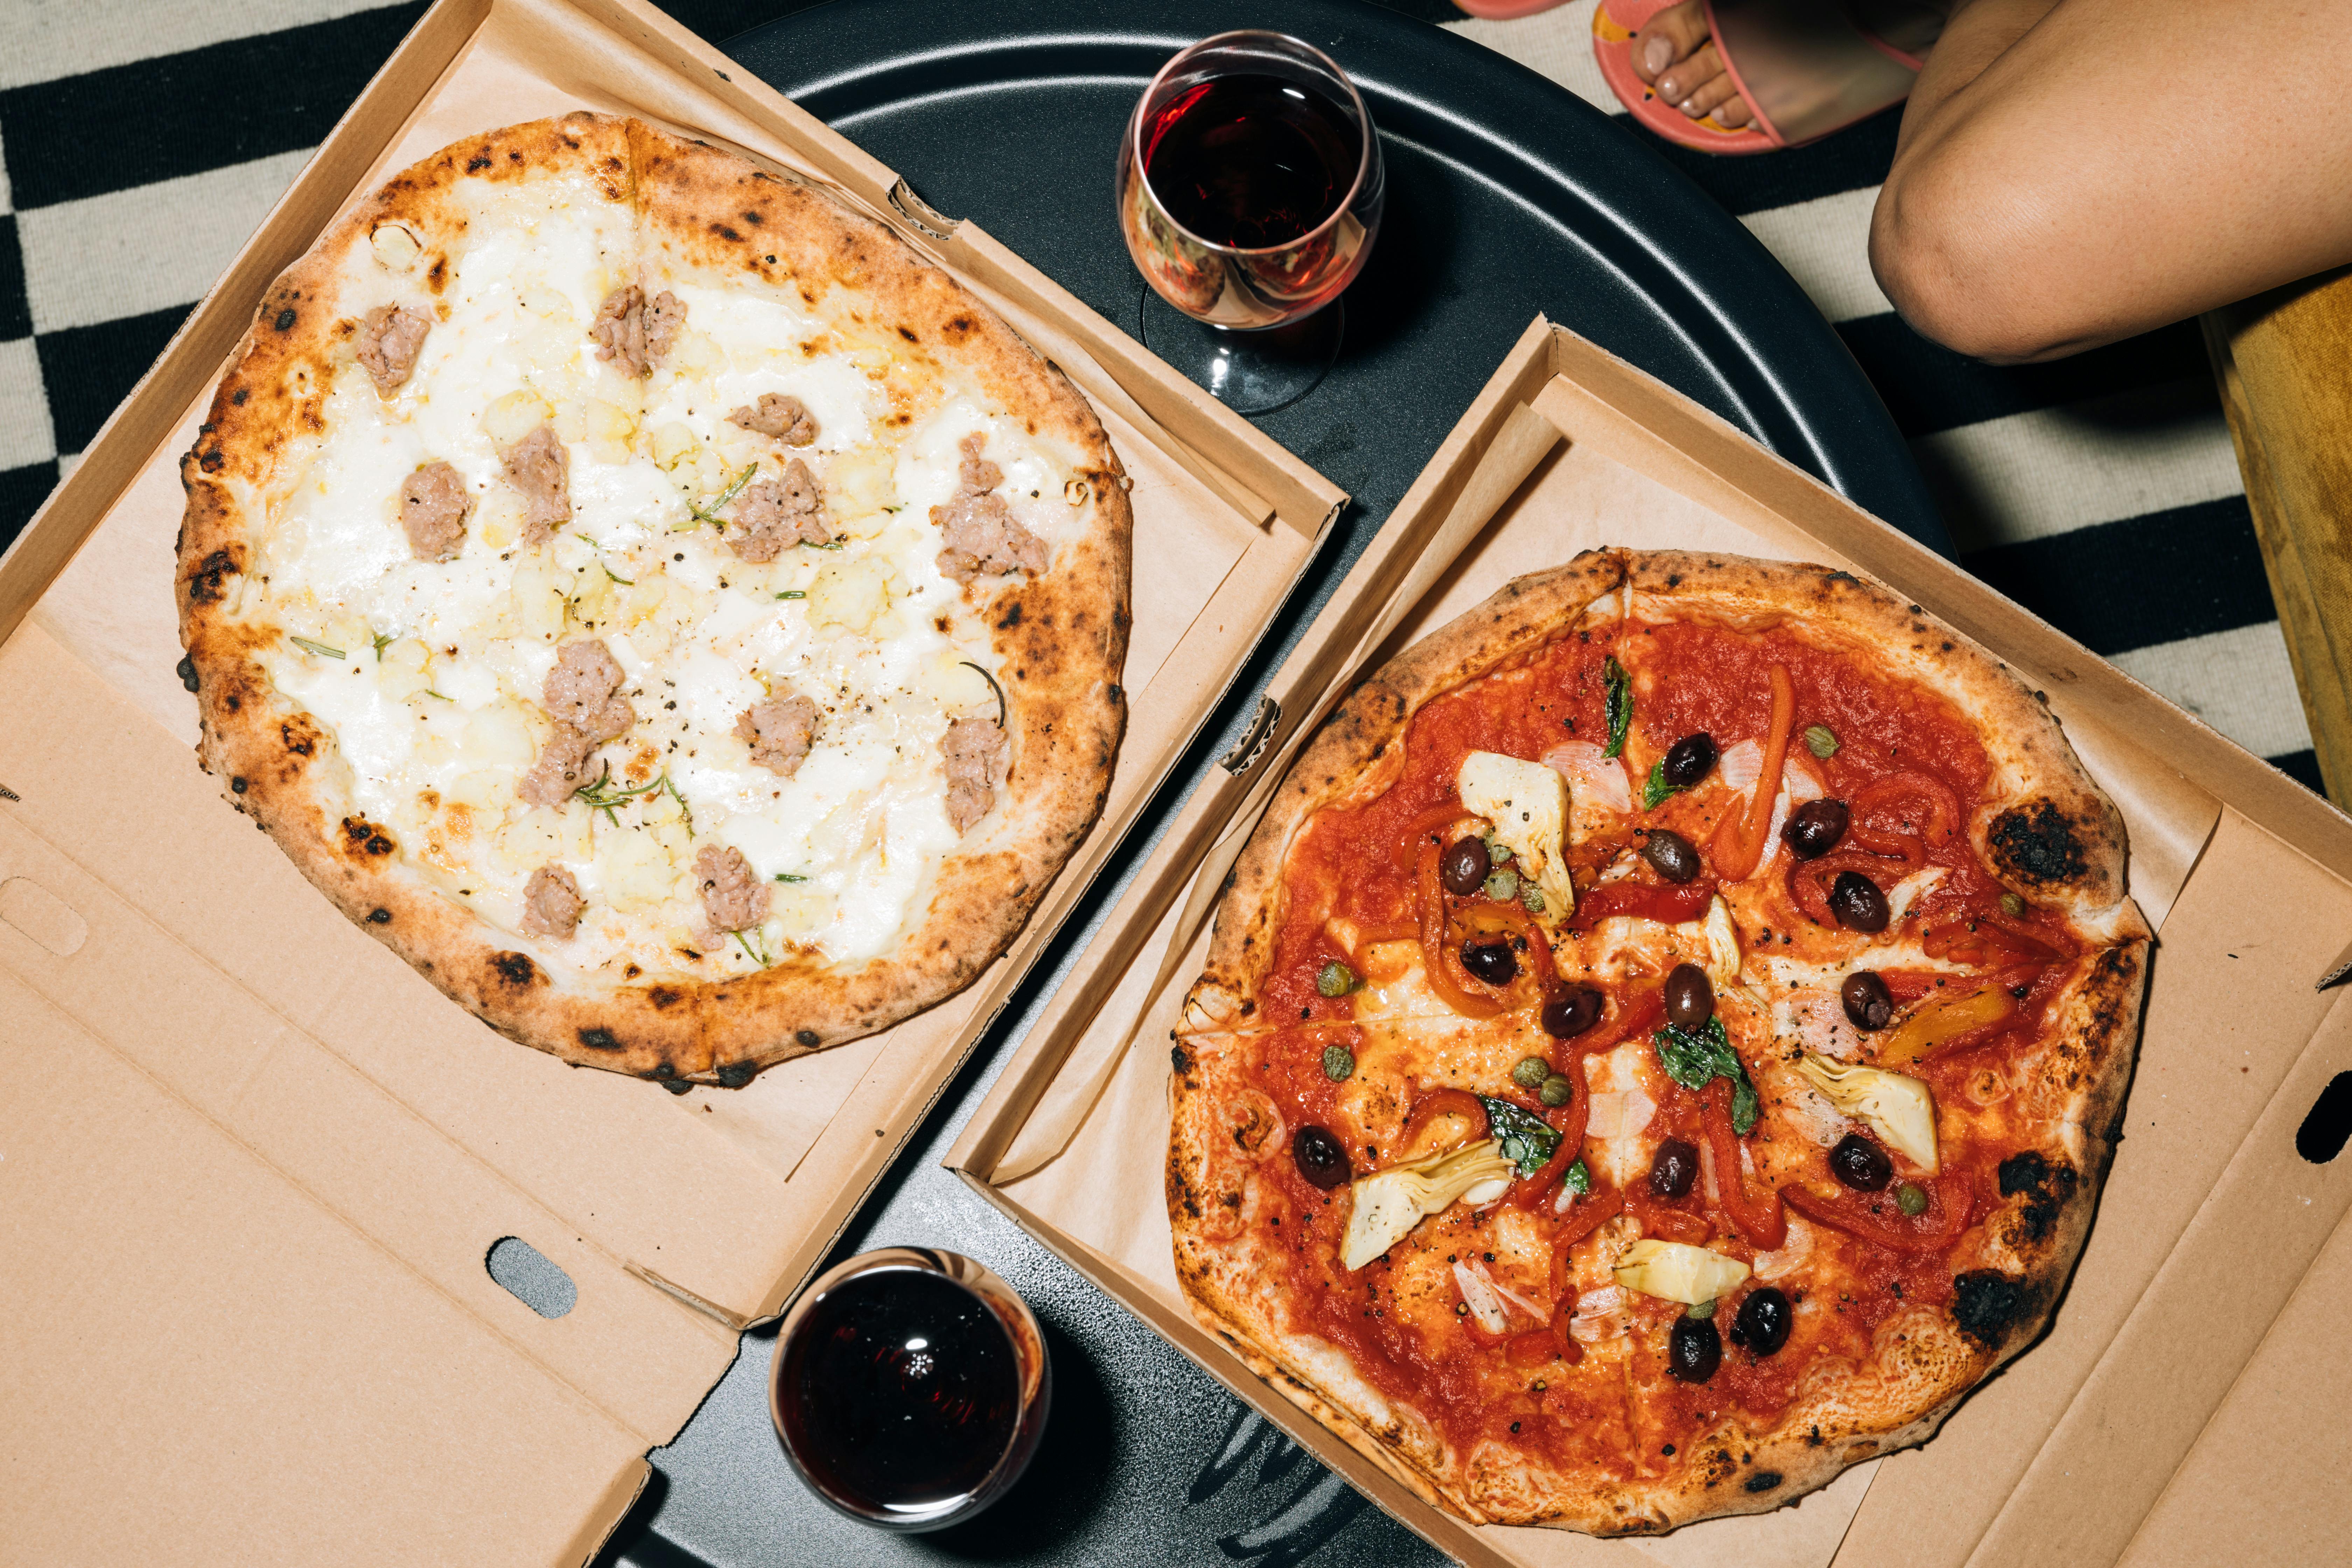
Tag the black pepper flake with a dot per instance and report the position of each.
(1515, 1426)
(1668, 1450)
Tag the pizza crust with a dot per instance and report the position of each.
(2011, 1268)
(1062, 639)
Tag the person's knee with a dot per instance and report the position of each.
(1947, 252)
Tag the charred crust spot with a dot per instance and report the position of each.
(1986, 1304)
(437, 275)
(1841, 577)
(380, 917)
(478, 162)
(300, 739)
(909, 336)
(186, 670)
(1763, 1480)
(236, 399)
(957, 328)
(1012, 616)
(361, 836)
(1674, 579)
(677, 1086)
(663, 1069)
(205, 582)
(724, 233)
(751, 216)
(515, 968)
(2046, 1188)
(600, 1039)
(236, 783)
(665, 997)
(1179, 1060)
(808, 1038)
(2036, 841)
(735, 1075)
(286, 319)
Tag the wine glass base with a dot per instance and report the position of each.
(1249, 372)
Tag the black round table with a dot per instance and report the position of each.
(1508, 197)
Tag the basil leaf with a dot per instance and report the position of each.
(1696, 1058)
(1578, 1179)
(1618, 704)
(1527, 1140)
(1655, 788)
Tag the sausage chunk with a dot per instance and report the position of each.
(552, 902)
(432, 507)
(541, 469)
(664, 317)
(581, 690)
(733, 897)
(774, 513)
(973, 747)
(785, 417)
(620, 331)
(779, 731)
(980, 532)
(390, 337)
(561, 769)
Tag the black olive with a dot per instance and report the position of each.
(1861, 1163)
(1814, 828)
(1672, 854)
(1764, 1320)
(1857, 902)
(1688, 759)
(1693, 1349)
(1572, 1012)
(1868, 1003)
(1320, 1158)
(1463, 867)
(1491, 961)
(1675, 1169)
(1690, 997)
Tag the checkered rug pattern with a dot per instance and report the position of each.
(2101, 492)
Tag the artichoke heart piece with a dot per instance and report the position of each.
(1389, 1204)
(1722, 945)
(1677, 1271)
(1527, 804)
(1898, 1108)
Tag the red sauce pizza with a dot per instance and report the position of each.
(1661, 1046)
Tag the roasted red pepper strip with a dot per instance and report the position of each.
(1668, 905)
(1946, 1219)
(1420, 830)
(1435, 1103)
(1589, 1213)
(1739, 847)
(1437, 953)
(1764, 1224)
(1569, 1120)
(1943, 816)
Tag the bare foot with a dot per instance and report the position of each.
(1675, 56)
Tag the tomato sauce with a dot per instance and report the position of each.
(1913, 762)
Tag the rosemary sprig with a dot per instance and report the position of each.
(756, 955)
(603, 794)
(703, 514)
(790, 876)
(430, 692)
(615, 576)
(683, 809)
(307, 646)
(792, 594)
(382, 641)
(992, 687)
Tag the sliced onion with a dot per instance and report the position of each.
(1740, 766)
(1540, 1314)
(1790, 1256)
(1589, 772)
(1484, 1304)
(1706, 1170)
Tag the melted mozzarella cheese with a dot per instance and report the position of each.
(434, 700)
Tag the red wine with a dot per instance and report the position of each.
(1251, 162)
(901, 1392)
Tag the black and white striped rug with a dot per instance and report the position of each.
(142, 141)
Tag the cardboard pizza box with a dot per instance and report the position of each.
(252, 1167)
(2187, 1403)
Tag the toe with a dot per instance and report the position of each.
(1709, 95)
(1692, 77)
(1733, 113)
(1668, 37)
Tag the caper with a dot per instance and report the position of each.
(1700, 1308)
(1764, 1320)
(1502, 885)
(1861, 1163)
(1572, 1012)
(1912, 1199)
(1688, 759)
(1690, 996)
(1869, 1004)
(1556, 1090)
(1463, 868)
(1694, 1349)
(1319, 1158)
(1338, 1063)
(1674, 1168)
(2011, 905)
(1335, 979)
(1492, 962)
(1858, 903)
(1671, 854)
(1814, 828)
(1531, 1072)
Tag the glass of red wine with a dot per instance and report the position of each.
(909, 1388)
(1249, 194)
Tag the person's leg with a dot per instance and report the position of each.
(1673, 55)
(2073, 171)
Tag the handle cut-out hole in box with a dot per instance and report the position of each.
(531, 1278)
(2323, 1133)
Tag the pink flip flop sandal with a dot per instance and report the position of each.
(1806, 68)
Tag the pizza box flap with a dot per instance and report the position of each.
(147, 938)
(2239, 1038)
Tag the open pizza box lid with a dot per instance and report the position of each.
(253, 1167)
(2194, 1357)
